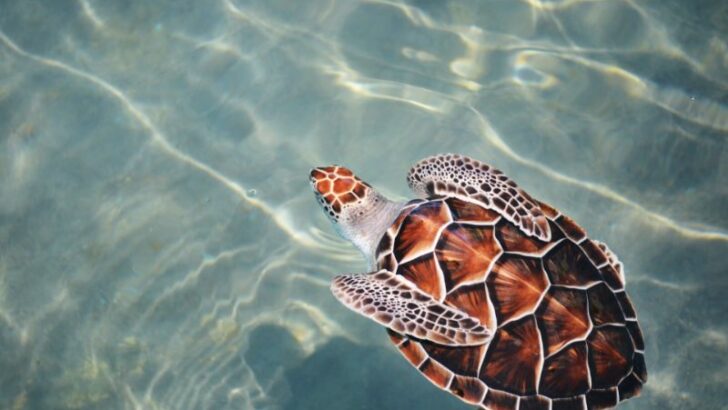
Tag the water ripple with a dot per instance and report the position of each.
(163, 143)
(175, 257)
(492, 136)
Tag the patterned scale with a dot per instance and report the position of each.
(565, 332)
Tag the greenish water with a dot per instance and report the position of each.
(159, 244)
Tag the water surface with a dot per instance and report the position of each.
(159, 244)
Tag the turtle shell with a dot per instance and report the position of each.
(565, 332)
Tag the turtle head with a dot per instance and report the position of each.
(359, 213)
(338, 190)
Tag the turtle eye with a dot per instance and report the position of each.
(317, 175)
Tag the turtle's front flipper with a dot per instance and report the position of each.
(471, 180)
(395, 303)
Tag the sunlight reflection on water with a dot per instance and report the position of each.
(159, 244)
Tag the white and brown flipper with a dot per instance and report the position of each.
(470, 180)
(395, 303)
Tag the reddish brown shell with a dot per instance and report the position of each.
(565, 333)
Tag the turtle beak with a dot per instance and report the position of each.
(321, 186)
(315, 175)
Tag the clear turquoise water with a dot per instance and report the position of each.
(159, 244)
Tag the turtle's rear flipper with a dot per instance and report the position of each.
(395, 303)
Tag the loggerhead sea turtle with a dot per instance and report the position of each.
(492, 295)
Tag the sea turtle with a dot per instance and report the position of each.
(492, 295)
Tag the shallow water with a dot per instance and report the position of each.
(159, 244)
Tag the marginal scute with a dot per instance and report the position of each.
(626, 305)
(468, 389)
(630, 387)
(414, 353)
(466, 253)
(562, 318)
(599, 399)
(594, 253)
(603, 306)
(419, 229)
(463, 211)
(534, 403)
(436, 373)
(570, 228)
(473, 300)
(636, 333)
(573, 403)
(515, 286)
(423, 273)
(639, 368)
(513, 359)
(611, 277)
(498, 400)
(565, 374)
(566, 264)
(610, 355)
